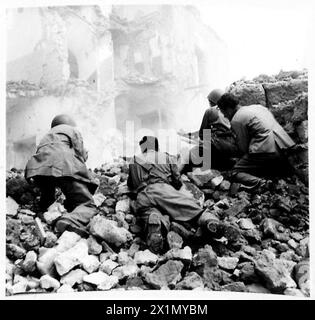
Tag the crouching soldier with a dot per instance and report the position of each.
(217, 145)
(60, 162)
(155, 178)
(264, 144)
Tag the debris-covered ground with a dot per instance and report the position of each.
(273, 247)
(272, 256)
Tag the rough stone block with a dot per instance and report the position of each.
(108, 266)
(11, 207)
(74, 256)
(228, 263)
(145, 257)
(73, 277)
(274, 272)
(48, 282)
(109, 231)
(166, 275)
(174, 240)
(90, 263)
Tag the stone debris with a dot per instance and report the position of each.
(235, 286)
(228, 263)
(257, 288)
(108, 266)
(90, 263)
(12, 207)
(123, 258)
(302, 276)
(145, 257)
(94, 246)
(65, 288)
(29, 263)
(96, 278)
(174, 240)
(246, 224)
(184, 254)
(72, 257)
(191, 281)
(123, 206)
(274, 272)
(110, 283)
(54, 212)
(67, 240)
(128, 270)
(271, 254)
(45, 263)
(48, 282)
(293, 292)
(165, 276)
(109, 231)
(98, 198)
(50, 240)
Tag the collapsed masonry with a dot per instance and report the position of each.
(267, 259)
(272, 255)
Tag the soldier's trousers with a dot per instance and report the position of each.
(75, 192)
(252, 167)
(168, 201)
(216, 153)
(78, 203)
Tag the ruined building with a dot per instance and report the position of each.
(152, 65)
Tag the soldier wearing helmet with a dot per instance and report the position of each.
(217, 141)
(59, 161)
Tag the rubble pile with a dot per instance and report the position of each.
(266, 259)
(269, 253)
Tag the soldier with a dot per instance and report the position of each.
(60, 162)
(155, 178)
(261, 140)
(217, 144)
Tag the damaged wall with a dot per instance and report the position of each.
(56, 70)
(153, 65)
(168, 55)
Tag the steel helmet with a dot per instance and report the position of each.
(62, 119)
(215, 95)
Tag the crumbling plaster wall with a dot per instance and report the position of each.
(36, 48)
(37, 91)
(156, 56)
(170, 46)
(93, 116)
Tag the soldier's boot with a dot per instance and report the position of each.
(217, 229)
(210, 224)
(155, 239)
(182, 231)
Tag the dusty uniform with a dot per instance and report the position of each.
(60, 162)
(262, 141)
(219, 145)
(156, 180)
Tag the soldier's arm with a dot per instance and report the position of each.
(131, 183)
(175, 176)
(77, 144)
(241, 137)
(204, 124)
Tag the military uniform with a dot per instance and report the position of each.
(155, 178)
(217, 145)
(60, 162)
(263, 143)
